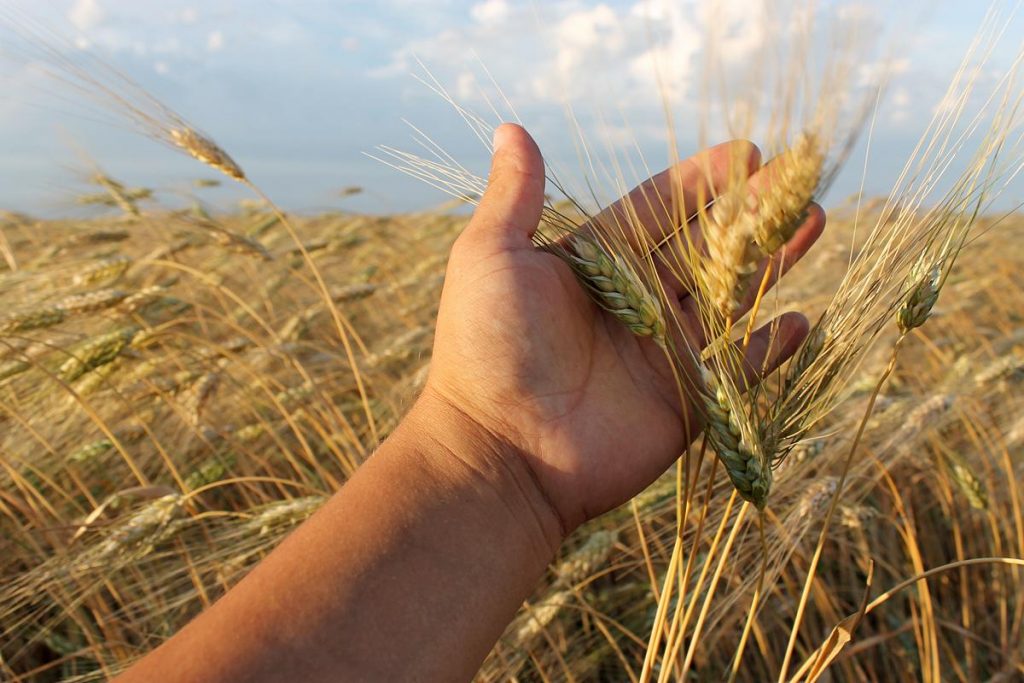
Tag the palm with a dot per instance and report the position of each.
(595, 409)
(595, 406)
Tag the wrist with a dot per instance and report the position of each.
(465, 453)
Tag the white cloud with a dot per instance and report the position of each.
(85, 14)
(466, 86)
(668, 61)
(881, 71)
(215, 41)
(857, 12)
(717, 64)
(490, 11)
(573, 50)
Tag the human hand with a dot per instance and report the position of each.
(524, 357)
(540, 411)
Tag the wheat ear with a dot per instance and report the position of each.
(102, 271)
(731, 256)
(920, 300)
(207, 151)
(119, 195)
(736, 442)
(743, 227)
(966, 480)
(32, 320)
(617, 288)
(795, 175)
(89, 302)
(96, 352)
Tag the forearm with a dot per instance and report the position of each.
(411, 572)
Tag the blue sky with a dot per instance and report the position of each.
(297, 92)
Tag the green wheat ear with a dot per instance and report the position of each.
(736, 442)
(917, 307)
(617, 288)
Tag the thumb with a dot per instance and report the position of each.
(510, 210)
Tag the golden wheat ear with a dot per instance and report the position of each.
(203, 149)
(794, 178)
(745, 225)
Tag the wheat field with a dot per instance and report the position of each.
(182, 387)
(174, 401)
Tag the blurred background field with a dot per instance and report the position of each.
(174, 399)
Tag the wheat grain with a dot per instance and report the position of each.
(198, 395)
(539, 617)
(98, 237)
(816, 497)
(147, 295)
(743, 226)
(1006, 367)
(118, 194)
(209, 472)
(137, 536)
(732, 256)
(352, 292)
(855, 516)
(13, 367)
(283, 514)
(291, 397)
(99, 377)
(250, 432)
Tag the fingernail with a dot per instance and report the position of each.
(500, 137)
